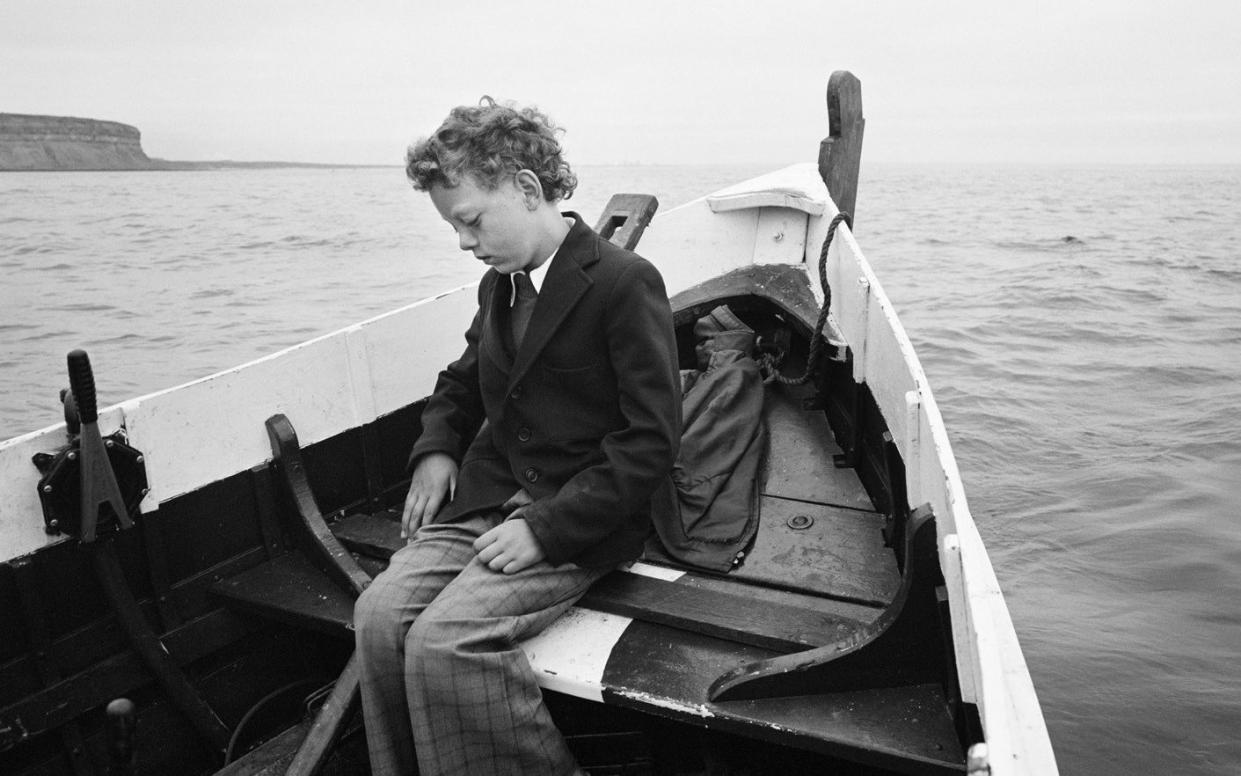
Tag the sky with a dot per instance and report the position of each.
(641, 81)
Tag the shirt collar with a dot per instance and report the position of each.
(536, 276)
(538, 273)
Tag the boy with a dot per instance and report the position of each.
(570, 370)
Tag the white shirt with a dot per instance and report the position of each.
(536, 276)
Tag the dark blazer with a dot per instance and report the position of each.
(585, 416)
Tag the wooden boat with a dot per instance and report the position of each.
(211, 586)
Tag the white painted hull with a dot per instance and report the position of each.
(204, 431)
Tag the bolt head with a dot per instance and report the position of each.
(800, 522)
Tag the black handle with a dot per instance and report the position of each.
(82, 380)
(121, 724)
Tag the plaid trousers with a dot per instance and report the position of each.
(443, 680)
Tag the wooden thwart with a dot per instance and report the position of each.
(775, 626)
(290, 589)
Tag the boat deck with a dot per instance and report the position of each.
(656, 636)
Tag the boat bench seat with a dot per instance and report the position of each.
(291, 589)
(655, 639)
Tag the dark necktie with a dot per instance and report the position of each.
(523, 306)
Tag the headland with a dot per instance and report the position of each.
(65, 143)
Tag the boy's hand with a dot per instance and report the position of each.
(434, 476)
(509, 547)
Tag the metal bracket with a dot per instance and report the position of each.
(93, 483)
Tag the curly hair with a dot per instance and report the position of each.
(491, 141)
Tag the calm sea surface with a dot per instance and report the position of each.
(1081, 329)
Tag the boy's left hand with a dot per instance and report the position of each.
(509, 547)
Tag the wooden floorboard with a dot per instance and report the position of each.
(664, 672)
(839, 553)
(801, 448)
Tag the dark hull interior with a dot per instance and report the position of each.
(63, 653)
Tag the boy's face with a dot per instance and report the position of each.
(497, 225)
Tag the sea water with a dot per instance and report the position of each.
(1080, 327)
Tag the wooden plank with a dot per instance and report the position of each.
(667, 673)
(690, 243)
(839, 553)
(118, 675)
(785, 625)
(840, 153)
(800, 454)
(759, 596)
(329, 725)
(625, 218)
(775, 626)
(780, 237)
(308, 525)
(270, 759)
(291, 590)
(375, 535)
(797, 187)
(787, 287)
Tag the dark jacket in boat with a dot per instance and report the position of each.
(585, 417)
(715, 511)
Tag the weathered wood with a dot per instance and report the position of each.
(786, 288)
(313, 534)
(902, 647)
(668, 673)
(377, 535)
(822, 550)
(156, 548)
(291, 590)
(774, 626)
(118, 675)
(151, 649)
(840, 153)
(34, 614)
(270, 759)
(780, 625)
(625, 218)
(329, 723)
(801, 450)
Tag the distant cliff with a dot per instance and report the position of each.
(64, 143)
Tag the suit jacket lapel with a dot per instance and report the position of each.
(496, 319)
(565, 283)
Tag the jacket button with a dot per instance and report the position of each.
(523, 434)
(532, 474)
(516, 392)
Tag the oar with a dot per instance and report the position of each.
(329, 724)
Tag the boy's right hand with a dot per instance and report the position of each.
(435, 475)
